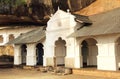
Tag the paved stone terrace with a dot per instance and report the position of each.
(97, 73)
(17, 73)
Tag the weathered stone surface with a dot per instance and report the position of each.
(7, 50)
(99, 6)
(43, 69)
(59, 70)
(28, 67)
(49, 68)
(43, 8)
(68, 71)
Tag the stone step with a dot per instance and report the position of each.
(6, 65)
(28, 67)
(56, 70)
(98, 73)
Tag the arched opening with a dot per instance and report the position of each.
(85, 51)
(23, 54)
(60, 52)
(89, 52)
(39, 54)
(1, 39)
(117, 51)
(11, 37)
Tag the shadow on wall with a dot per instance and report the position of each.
(6, 58)
(6, 61)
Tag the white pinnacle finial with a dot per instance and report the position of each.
(68, 10)
(51, 15)
(58, 8)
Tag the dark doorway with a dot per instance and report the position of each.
(89, 52)
(23, 54)
(85, 53)
(39, 54)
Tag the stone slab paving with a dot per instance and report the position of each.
(98, 73)
(15, 73)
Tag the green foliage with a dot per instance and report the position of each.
(13, 2)
(19, 2)
(9, 6)
(6, 1)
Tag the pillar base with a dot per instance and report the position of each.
(17, 60)
(31, 61)
(78, 62)
(69, 62)
(50, 61)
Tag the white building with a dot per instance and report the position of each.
(9, 33)
(74, 41)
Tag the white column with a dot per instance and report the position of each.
(78, 57)
(31, 55)
(118, 54)
(5, 38)
(107, 57)
(69, 59)
(17, 55)
(49, 55)
(72, 59)
(44, 57)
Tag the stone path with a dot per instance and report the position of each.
(34, 74)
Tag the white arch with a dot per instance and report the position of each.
(84, 38)
(60, 51)
(89, 51)
(117, 49)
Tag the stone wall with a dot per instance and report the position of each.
(7, 50)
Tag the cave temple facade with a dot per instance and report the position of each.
(73, 41)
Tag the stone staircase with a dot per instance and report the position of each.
(97, 73)
(6, 65)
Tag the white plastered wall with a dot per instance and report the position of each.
(16, 32)
(108, 52)
(107, 58)
(60, 25)
(92, 52)
(17, 48)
